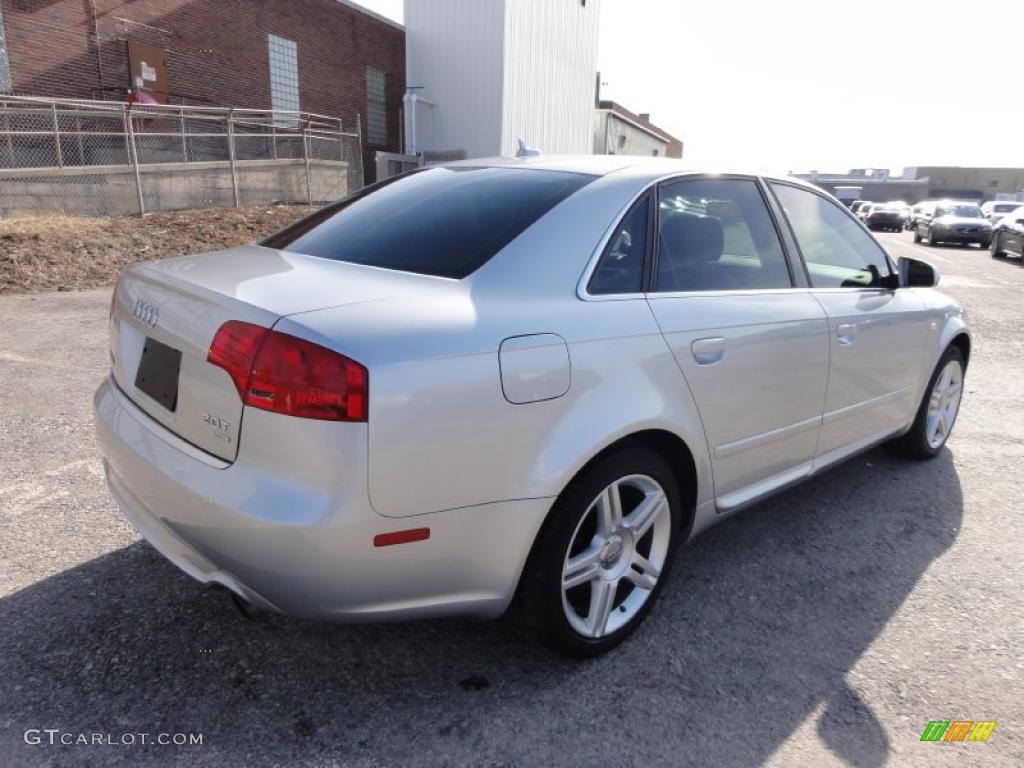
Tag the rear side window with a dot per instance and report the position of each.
(837, 251)
(621, 269)
(446, 222)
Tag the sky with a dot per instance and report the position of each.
(798, 85)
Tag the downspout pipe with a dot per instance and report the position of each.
(410, 101)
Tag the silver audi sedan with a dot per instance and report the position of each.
(512, 383)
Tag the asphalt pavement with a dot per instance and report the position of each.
(826, 626)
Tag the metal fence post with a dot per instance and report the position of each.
(56, 138)
(10, 139)
(359, 150)
(184, 133)
(231, 154)
(81, 145)
(134, 158)
(305, 157)
(127, 135)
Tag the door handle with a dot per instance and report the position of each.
(708, 351)
(846, 333)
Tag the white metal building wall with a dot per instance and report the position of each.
(500, 71)
(550, 71)
(454, 49)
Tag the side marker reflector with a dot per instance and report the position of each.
(401, 537)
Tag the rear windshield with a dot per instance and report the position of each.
(446, 222)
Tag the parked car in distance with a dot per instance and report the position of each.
(887, 216)
(512, 383)
(921, 211)
(1008, 234)
(904, 209)
(858, 204)
(954, 222)
(994, 210)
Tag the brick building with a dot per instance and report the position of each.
(331, 57)
(617, 131)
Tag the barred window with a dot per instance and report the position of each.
(284, 76)
(376, 107)
(5, 66)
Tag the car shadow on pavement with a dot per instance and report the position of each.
(762, 620)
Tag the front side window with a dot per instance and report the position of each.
(837, 251)
(717, 235)
(446, 222)
(621, 269)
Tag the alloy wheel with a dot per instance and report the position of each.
(944, 403)
(616, 555)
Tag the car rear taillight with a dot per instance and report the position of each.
(282, 373)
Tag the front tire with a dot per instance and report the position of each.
(938, 410)
(930, 240)
(603, 555)
(917, 236)
(994, 248)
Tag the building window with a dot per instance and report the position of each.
(5, 64)
(654, 152)
(376, 107)
(284, 77)
(622, 141)
(993, 184)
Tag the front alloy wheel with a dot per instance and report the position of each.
(938, 410)
(944, 403)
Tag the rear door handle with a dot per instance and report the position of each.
(846, 333)
(708, 351)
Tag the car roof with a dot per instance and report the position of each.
(603, 165)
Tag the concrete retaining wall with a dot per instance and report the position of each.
(111, 190)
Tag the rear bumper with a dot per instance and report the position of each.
(299, 539)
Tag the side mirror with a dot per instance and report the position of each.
(915, 273)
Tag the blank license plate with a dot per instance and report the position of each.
(158, 373)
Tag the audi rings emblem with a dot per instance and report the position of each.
(146, 313)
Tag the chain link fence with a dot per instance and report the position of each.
(114, 158)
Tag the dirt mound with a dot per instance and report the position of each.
(63, 253)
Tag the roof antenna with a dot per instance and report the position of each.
(525, 151)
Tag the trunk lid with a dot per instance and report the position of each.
(166, 314)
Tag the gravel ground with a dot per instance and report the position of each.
(824, 627)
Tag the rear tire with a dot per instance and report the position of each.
(938, 410)
(917, 236)
(580, 592)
